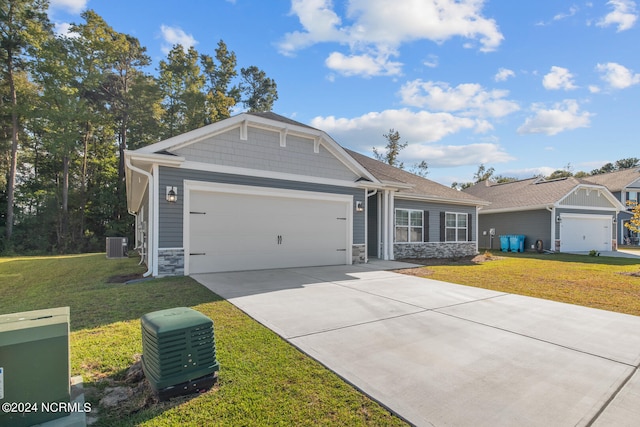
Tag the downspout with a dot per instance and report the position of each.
(149, 234)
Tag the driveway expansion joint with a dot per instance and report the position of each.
(369, 322)
(538, 339)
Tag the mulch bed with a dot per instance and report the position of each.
(123, 278)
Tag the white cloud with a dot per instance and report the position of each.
(503, 74)
(431, 61)
(175, 35)
(618, 76)
(363, 65)
(468, 99)
(381, 26)
(623, 15)
(70, 6)
(415, 127)
(558, 78)
(594, 89)
(572, 11)
(319, 21)
(563, 116)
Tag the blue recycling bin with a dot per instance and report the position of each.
(516, 243)
(504, 243)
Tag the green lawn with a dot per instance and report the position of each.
(600, 282)
(263, 380)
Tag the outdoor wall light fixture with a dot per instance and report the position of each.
(558, 219)
(172, 194)
(359, 206)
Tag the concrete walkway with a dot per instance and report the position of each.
(440, 354)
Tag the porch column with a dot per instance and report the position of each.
(391, 225)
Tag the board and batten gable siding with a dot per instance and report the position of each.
(262, 151)
(534, 225)
(586, 197)
(434, 210)
(170, 214)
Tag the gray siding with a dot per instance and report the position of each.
(434, 214)
(170, 214)
(262, 151)
(533, 224)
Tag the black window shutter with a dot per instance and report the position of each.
(442, 224)
(425, 227)
(469, 228)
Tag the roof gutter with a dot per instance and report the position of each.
(476, 202)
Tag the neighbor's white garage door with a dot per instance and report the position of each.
(585, 232)
(230, 232)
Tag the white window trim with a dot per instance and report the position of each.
(456, 228)
(408, 226)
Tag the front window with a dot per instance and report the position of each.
(408, 225)
(632, 199)
(456, 227)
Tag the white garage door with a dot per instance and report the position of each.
(585, 232)
(230, 231)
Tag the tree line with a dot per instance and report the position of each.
(70, 105)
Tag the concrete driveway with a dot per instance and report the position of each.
(440, 354)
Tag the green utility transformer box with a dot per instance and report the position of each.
(34, 366)
(178, 351)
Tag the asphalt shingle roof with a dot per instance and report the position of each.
(522, 194)
(419, 186)
(616, 181)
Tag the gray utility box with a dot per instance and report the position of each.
(34, 359)
(117, 247)
(178, 351)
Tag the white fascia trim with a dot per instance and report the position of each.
(154, 158)
(234, 170)
(216, 187)
(194, 135)
(585, 216)
(587, 208)
(521, 209)
(441, 200)
(397, 185)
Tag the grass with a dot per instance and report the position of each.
(263, 380)
(600, 282)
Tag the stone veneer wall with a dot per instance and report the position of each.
(170, 262)
(358, 254)
(434, 250)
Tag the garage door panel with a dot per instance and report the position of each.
(248, 231)
(585, 233)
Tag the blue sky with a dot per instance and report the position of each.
(523, 87)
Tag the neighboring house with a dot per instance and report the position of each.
(625, 186)
(567, 214)
(259, 191)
